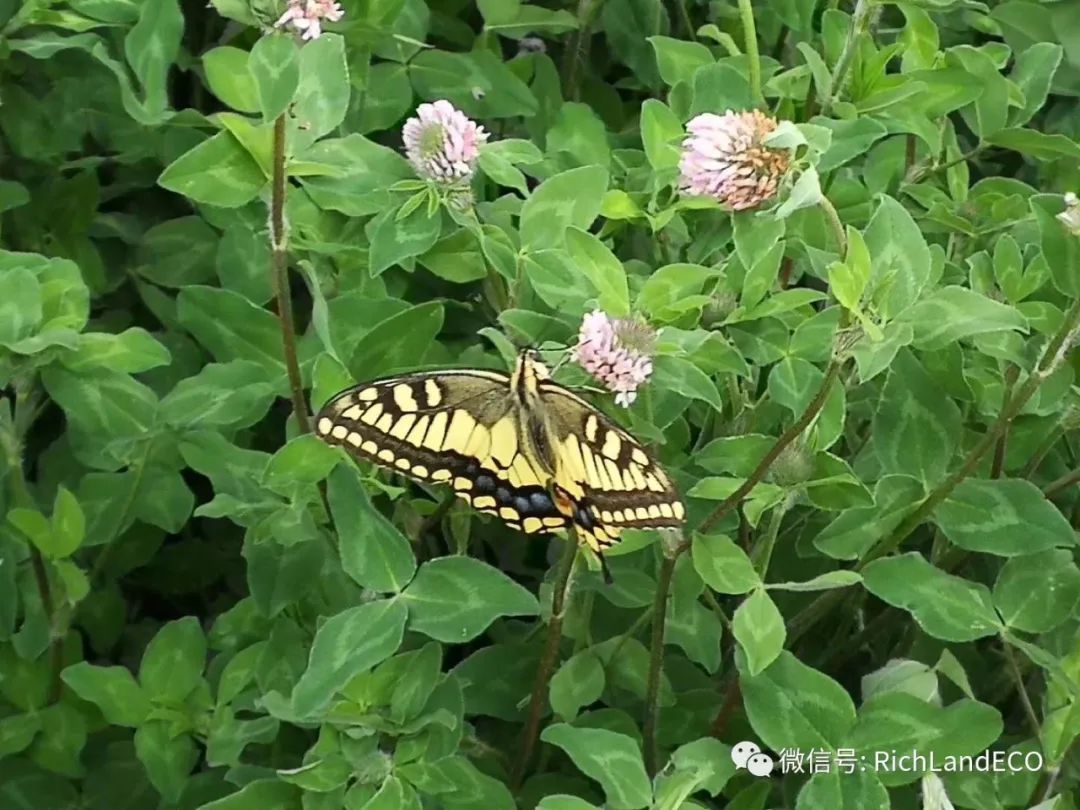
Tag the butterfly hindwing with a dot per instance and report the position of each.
(457, 428)
(614, 482)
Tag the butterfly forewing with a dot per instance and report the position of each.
(458, 428)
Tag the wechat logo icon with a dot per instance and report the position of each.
(749, 755)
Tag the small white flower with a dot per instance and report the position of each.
(442, 143)
(617, 352)
(1070, 217)
(724, 157)
(306, 16)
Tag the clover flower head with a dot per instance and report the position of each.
(724, 157)
(306, 16)
(617, 352)
(1070, 217)
(442, 143)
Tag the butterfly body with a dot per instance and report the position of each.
(520, 447)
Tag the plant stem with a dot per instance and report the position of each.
(1064, 482)
(746, 15)
(764, 551)
(788, 436)
(656, 660)
(860, 20)
(279, 259)
(577, 47)
(1052, 357)
(835, 224)
(684, 20)
(1021, 689)
(25, 407)
(547, 660)
(997, 467)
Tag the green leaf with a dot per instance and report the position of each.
(132, 351)
(479, 83)
(459, 784)
(791, 705)
(946, 607)
(274, 67)
(364, 173)
(262, 794)
(822, 582)
(305, 459)
(855, 531)
(1032, 72)
(681, 376)
(151, 47)
(226, 70)
(723, 565)
(952, 313)
(1037, 592)
(322, 94)
(373, 552)
(112, 689)
(916, 428)
(457, 258)
(1039, 145)
(397, 343)
(345, 645)
(578, 682)
(280, 574)
(109, 410)
(1002, 516)
(219, 171)
(232, 328)
(1060, 249)
(612, 759)
(578, 137)
(704, 764)
(571, 198)
(393, 240)
(235, 394)
(68, 525)
(678, 59)
(661, 132)
(20, 304)
(173, 662)
(454, 599)
(17, 731)
(759, 629)
(836, 790)
(602, 268)
(900, 258)
(168, 758)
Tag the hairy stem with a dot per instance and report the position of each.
(656, 660)
(547, 660)
(1021, 689)
(279, 260)
(860, 22)
(1066, 481)
(19, 494)
(750, 44)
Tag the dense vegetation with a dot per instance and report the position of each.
(864, 387)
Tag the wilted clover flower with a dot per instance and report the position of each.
(1070, 217)
(617, 352)
(306, 16)
(724, 157)
(442, 143)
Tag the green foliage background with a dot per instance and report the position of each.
(202, 607)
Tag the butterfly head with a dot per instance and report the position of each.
(528, 372)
